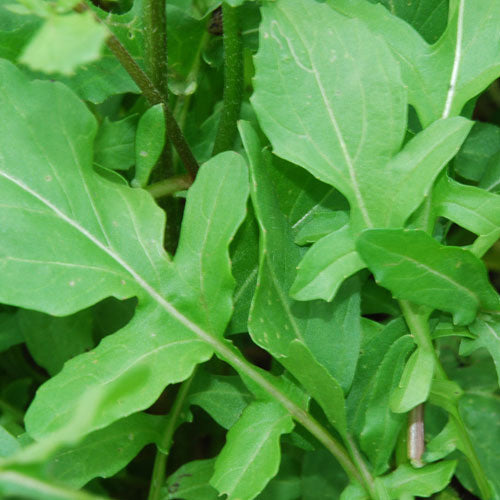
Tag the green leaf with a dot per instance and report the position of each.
(321, 224)
(318, 383)
(373, 350)
(443, 444)
(286, 485)
(8, 443)
(10, 333)
(481, 144)
(413, 170)
(428, 17)
(149, 143)
(275, 319)
(191, 482)
(104, 452)
(381, 425)
(251, 455)
(52, 341)
(472, 208)
(442, 77)
(415, 383)
(480, 415)
(65, 42)
(488, 336)
(317, 118)
(491, 178)
(223, 397)
(415, 267)
(421, 482)
(77, 237)
(114, 144)
(326, 265)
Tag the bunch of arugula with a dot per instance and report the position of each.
(339, 227)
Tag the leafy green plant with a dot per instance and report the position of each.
(261, 254)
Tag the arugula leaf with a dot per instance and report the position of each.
(108, 240)
(442, 77)
(191, 482)
(79, 39)
(251, 455)
(488, 336)
(413, 266)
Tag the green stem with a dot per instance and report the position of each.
(160, 465)
(233, 81)
(417, 321)
(367, 478)
(483, 243)
(153, 96)
(168, 187)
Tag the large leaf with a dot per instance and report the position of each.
(442, 77)
(275, 319)
(415, 267)
(251, 455)
(76, 237)
(315, 115)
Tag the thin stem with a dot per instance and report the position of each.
(233, 81)
(153, 96)
(170, 186)
(418, 324)
(415, 441)
(155, 38)
(368, 481)
(160, 465)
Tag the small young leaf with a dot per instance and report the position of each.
(321, 224)
(251, 455)
(415, 383)
(443, 444)
(413, 266)
(149, 143)
(65, 42)
(114, 144)
(326, 265)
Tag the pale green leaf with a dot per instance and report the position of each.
(317, 117)
(114, 143)
(442, 77)
(326, 265)
(413, 170)
(415, 267)
(8, 443)
(415, 383)
(443, 444)
(64, 43)
(321, 224)
(52, 340)
(191, 482)
(77, 237)
(149, 143)
(251, 455)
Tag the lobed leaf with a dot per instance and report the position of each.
(413, 266)
(251, 455)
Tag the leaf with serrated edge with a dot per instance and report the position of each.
(251, 455)
(77, 238)
(415, 267)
